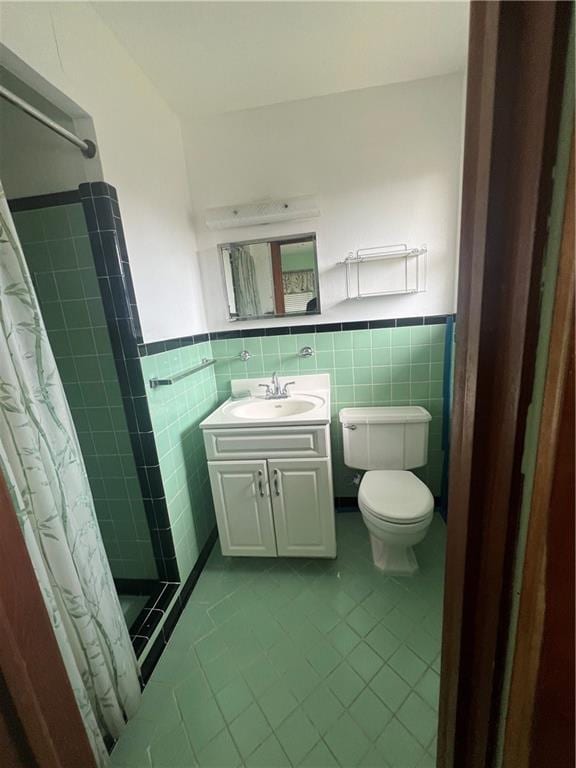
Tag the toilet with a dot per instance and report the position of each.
(397, 507)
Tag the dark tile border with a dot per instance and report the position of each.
(135, 586)
(402, 322)
(395, 322)
(100, 203)
(145, 624)
(346, 503)
(18, 204)
(171, 618)
(149, 617)
(350, 503)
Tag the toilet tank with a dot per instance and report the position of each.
(394, 437)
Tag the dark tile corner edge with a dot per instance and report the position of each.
(104, 223)
(97, 189)
(147, 621)
(172, 616)
(438, 319)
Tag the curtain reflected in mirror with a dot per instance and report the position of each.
(245, 281)
(274, 277)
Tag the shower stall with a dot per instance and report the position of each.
(72, 239)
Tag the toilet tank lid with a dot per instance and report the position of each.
(394, 414)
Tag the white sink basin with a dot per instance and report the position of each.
(307, 404)
(257, 409)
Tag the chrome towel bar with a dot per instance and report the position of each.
(204, 363)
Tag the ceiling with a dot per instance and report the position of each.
(214, 57)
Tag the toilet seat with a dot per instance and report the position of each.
(395, 496)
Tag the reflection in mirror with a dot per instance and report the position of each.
(273, 277)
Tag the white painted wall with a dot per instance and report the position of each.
(384, 163)
(66, 52)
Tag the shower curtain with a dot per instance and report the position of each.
(244, 279)
(41, 461)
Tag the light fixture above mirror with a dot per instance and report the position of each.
(264, 212)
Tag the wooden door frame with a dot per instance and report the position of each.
(516, 64)
(276, 259)
(277, 272)
(551, 524)
(40, 723)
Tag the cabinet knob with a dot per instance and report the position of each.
(350, 426)
(276, 488)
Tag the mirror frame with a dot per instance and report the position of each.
(280, 240)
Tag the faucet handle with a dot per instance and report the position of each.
(287, 384)
(268, 389)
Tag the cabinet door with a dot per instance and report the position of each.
(303, 507)
(242, 506)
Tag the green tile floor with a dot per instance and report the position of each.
(285, 662)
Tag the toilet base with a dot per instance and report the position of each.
(396, 561)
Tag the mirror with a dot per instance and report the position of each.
(271, 278)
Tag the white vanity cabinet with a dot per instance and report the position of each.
(272, 491)
(242, 506)
(302, 507)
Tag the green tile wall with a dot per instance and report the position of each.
(176, 412)
(57, 249)
(391, 366)
(396, 366)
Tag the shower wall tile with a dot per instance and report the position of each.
(176, 412)
(58, 252)
(102, 212)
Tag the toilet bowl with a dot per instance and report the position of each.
(397, 508)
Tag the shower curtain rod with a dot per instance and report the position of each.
(87, 147)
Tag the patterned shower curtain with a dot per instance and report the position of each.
(244, 279)
(41, 461)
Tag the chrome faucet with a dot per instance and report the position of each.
(275, 391)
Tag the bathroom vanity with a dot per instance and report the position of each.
(270, 469)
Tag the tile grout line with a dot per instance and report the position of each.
(258, 586)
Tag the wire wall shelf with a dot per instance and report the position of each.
(412, 269)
